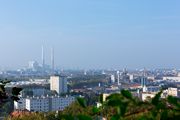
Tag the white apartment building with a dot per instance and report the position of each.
(20, 105)
(59, 84)
(60, 103)
(173, 92)
(37, 104)
(44, 104)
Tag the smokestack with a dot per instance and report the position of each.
(43, 60)
(52, 60)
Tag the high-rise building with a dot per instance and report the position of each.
(112, 79)
(118, 78)
(143, 81)
(144, 78)
(59, 84)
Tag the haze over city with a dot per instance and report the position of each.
(89, 60)
(91, 33)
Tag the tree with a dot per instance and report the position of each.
(7, 98)
(119, 106)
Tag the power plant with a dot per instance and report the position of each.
(43, 67)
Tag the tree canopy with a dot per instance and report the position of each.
(118, 106)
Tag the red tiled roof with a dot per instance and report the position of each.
(18, 113)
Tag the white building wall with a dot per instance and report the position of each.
(54, 83)
(20, 105)
(28, 104)
(59, 84)
(173, 92)
(112, 78)
(37, 104)
(145, 96)
(45, 104)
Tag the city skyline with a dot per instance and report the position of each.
(91, 34)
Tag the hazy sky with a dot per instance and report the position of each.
(91, 33)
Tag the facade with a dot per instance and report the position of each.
(44, 104)
(37, 104)
(172, 78)
(172, 92)
(58, 84)
(146, 95)
(112, 79)
(34, 92)
(118, 78)
(60, 103)
(105, 96)
(143, 81)
(131, 77)
(20, 105)
(153, 88)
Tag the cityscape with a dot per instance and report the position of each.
(45, 88)
(86, 60)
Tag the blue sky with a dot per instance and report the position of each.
(91, 33)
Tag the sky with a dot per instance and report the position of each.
(91, 34)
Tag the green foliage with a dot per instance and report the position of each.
(164, 115)
(95, 110)
(119, 106)
(84, 117)
(120, 102)
(101, 98)
(16, 91)
(5, 81)
(88, 80)
(82, 102)
(2, 87)
(115, 117)
(66, 117)
(174, 101)
(114, 100)
(156, 99)
(126, 94)
(7, 98)
(123, 108)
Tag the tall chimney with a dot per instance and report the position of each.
(43, 60)
(52, 60)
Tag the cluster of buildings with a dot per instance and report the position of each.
(143, 84)
(144, 96)
(173, 78)
(45, 94)
(165, 93)
(42, 100)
